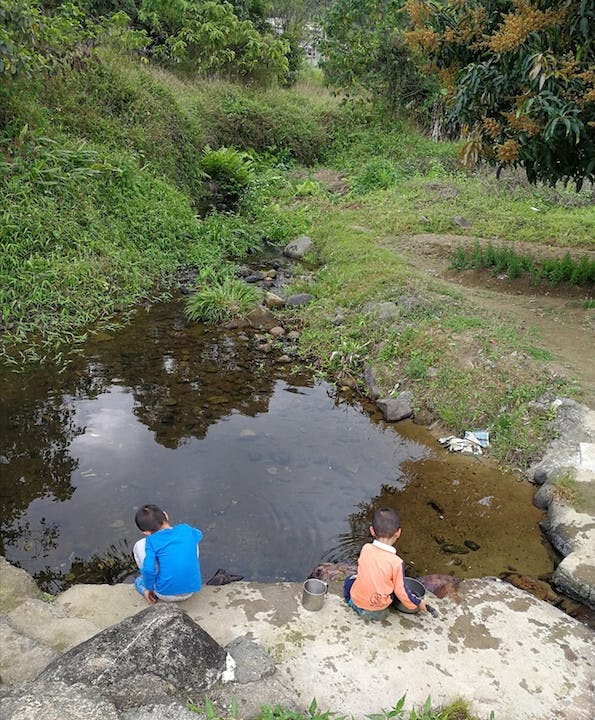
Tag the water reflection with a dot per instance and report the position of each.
(279, 470)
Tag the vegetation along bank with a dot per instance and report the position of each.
(136, 144)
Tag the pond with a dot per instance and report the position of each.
(278, 468)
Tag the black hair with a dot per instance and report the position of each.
(149, 517)
(385, 522)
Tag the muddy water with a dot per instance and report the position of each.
(278, 469)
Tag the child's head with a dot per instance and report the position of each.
(150, 518)
(385, 523)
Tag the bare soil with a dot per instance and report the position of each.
(555, 317)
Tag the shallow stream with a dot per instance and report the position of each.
(280, 470)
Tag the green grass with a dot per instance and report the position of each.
(572, 271)
(456, 710)
(565, 489)
(222, 298)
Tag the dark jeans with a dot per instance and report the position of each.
(367, 614)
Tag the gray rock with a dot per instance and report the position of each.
(299, 299)
(48, 624)
(252, 662)
(299, 247)
(395, 409)
(15, 586)
(56, 701)
(461, 221)
(372, 390)
(410, 303)
(261, 318)
(570, 520)
(576, 576)
(273, 301)
(172, 711)
(540, 475)
(14, 648)
(159, 653)
(543, 496)
(382, 310)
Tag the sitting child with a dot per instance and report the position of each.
(167, 556)
(380, 573)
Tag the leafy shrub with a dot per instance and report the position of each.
(209, 37)
(221, 298)
(376, 174)
(229, 173)
(277, 122)
(519, 79)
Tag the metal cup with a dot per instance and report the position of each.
(314, 593)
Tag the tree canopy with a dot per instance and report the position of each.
(364, 52)
(517, 76)
(203, 36)
(520, 76)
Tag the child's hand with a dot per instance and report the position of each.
(150, 597)
(423, 607)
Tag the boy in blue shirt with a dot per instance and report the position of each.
(167, 556)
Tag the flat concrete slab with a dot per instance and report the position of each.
(587, 456)
(494, 645)
(498, 647)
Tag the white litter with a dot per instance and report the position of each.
(470, 444)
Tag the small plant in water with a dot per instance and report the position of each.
(221, 298)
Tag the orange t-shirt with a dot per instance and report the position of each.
(379, 573)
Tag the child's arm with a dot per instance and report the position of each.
(149, 568)
(410, 601)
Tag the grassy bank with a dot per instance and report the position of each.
(466, 369)
(104, 190)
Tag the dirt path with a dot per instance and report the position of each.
(555, 318)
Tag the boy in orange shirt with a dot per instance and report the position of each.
(380, 572)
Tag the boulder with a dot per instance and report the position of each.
(273, 301)
(15, 586)
(158, 654)
(461, 221)
(299, 247)
(298, 299)
(56, 701)
(395, 409)
(171, 711)
(261, 318)
(372, 390)
(383, 311)
(14, 648)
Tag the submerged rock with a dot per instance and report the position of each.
(333, 571)
(223, 577)
(442, 586)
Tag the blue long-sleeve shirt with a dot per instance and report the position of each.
(171, 565)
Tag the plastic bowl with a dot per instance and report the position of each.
(415, 588)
